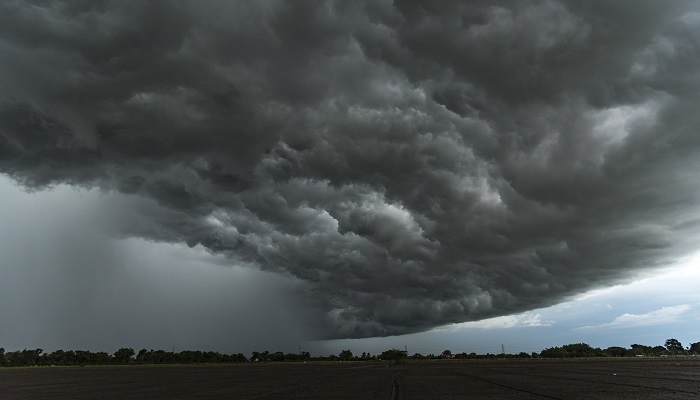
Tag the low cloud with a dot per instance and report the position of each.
(662, 316)
(505, 322)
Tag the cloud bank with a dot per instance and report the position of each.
(412, 164)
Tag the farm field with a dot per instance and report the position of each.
(448, 379)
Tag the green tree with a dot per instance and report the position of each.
(642, 350)
(123, 355)
(276, 356)
(446, 354)
(695, 347)
(393, 355)
(673, 346)
(100, 358)
(582, 350)
(345, 355)
(572, 350)
(616, 351)
(24, 357)
(3, 361)
(258, 356)
(142, 356)
(553, 352)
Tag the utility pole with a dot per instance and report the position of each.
(503, 350)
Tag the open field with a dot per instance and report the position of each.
(453, 379)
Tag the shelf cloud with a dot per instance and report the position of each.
(412, 164)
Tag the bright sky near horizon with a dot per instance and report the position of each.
(246, 175)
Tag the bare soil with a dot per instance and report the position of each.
(445, 379)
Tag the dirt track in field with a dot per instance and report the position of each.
(453, 379)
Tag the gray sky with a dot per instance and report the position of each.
(339, 169)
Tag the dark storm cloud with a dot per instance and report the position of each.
(414, 163)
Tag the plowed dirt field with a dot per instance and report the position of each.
(448, 379)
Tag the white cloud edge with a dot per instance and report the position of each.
(662, 316)
(528, 319)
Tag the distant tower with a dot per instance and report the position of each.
(503, 350)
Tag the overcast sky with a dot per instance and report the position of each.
(259, 175)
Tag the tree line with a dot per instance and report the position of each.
(127, 356)
(672, 347)
(122, 356)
